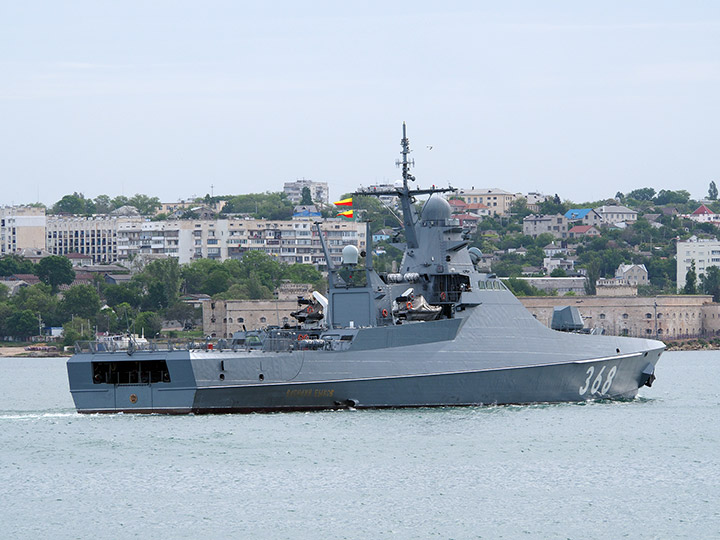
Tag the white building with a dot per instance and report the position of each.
(292, 241)
(704, 253)
(318, 190)
(497, 200)
(703, 215)
(615, 214)
(632, 274)
(94, 236)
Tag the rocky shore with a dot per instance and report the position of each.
(693, 345)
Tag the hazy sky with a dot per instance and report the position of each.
(168, 97)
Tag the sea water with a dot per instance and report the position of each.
(647, 468)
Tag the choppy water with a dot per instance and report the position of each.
(649, 468)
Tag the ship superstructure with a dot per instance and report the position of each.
(435, 333)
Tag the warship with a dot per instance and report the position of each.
(437, 332)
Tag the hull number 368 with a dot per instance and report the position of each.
(597, 385)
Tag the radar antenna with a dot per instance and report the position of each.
(405, 194)
(405, 163)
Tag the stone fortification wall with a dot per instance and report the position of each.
(667, 317)
(223, 317)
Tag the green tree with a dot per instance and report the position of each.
(107, 320)
(22, 324)
(125, 315)
(115, 294)
(306, 196)
(260, 205)
(148, 324)
(642, 194)
(553, 206)
(77, 329)
(6, 309)
(184, 313)
(712, 191)
(74, 204)
(520, 287)
(103, 204)
(519, 209)
(195, 273)
(14, 264)
(119, 201)
(218, 281)
(39, 299)
(592, 274)
(558, 272)
(145, 205)
(55, 271)
(81, 300)
(710, 281)
(691, 280)
(672, 197)
(161, 282)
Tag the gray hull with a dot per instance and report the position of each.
(435, 333)
(495, 354)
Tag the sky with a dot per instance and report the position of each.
(177, 99)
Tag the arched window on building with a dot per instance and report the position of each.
(263, 319)
(660, 332)
(648, 315)
(625, 315)
(602, 316)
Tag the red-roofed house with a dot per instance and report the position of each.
(467, 220)
(30, 279)
(458, 205)
(479, 209)
(704, 215)
(81, 278)
(583, 230)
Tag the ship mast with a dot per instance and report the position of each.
(405, 194)
(405, 199)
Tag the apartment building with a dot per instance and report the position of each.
(105, 239)
(497, 200)
(21, 227)
(94, 236)
(535, 225)
(318, 190)
(705, 253)
(293, 241)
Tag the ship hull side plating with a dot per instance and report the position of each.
(609, 378)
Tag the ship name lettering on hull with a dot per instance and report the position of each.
(309, 392)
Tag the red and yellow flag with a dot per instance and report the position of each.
(346, 213)
(344, 202)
